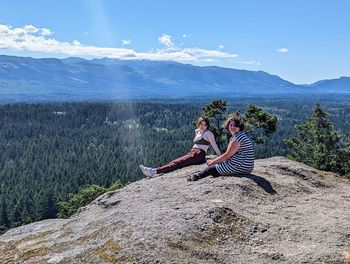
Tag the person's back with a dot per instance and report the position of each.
(243, 160)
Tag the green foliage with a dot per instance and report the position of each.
(48, 205)
(343, 160)
(51, 150)
(216, 111)
(259, 124)
(257, 118)
(317, 143)
(115, 186)
(83, 197)
(4, 220)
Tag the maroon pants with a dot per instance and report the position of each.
(195, 156)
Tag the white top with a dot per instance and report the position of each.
(208, 136)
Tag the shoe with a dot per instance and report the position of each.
(146, 171)
(193, 177)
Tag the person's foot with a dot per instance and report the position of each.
(147, 171)
(193, 177)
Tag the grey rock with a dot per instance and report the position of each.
(284, 212)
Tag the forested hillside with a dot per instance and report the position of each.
(51, 150)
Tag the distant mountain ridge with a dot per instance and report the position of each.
(341, 84)
(49, 79)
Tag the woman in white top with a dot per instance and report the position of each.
(203, 138)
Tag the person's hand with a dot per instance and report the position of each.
(209, 162)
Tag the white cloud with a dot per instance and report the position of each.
(203, 53)
(165, 39)
(46, 32)
(126, 42)
(186, 35)
(248, 62)
(30, 29)
(221, 46)
(282, 50)
(30, 38)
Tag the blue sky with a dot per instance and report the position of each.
(300, 41)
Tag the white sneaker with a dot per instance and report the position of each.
(147, 171)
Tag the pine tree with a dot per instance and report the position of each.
(258, 123)
(317, 143)
(4, 221)
(216, 111)
(48, 206)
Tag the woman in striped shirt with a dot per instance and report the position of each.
(238, 158)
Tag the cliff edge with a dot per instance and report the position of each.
(284, 212)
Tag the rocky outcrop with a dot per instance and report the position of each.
(284, 212)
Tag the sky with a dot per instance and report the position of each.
(301, 41)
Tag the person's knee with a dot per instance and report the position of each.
(172, 164)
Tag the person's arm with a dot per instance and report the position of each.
(196, 131)
(232, 148)
(209, 136)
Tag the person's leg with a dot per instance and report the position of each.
(210, 170)
(194, 157)
(148, 172)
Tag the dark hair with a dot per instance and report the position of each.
(236, 119)
(201, 119)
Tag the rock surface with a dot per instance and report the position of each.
(284, 212)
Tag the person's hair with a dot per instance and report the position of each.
(201, 119)
(236, 119)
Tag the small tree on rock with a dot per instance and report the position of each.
(259, 124)
(317, 143)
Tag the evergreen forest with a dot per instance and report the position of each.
(49, 151)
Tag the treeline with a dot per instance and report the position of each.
(51, 150)
(48, 151)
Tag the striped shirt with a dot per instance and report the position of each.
(242, 162)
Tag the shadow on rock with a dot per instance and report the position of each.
(262, 182)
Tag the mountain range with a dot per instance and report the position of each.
(26, 79)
